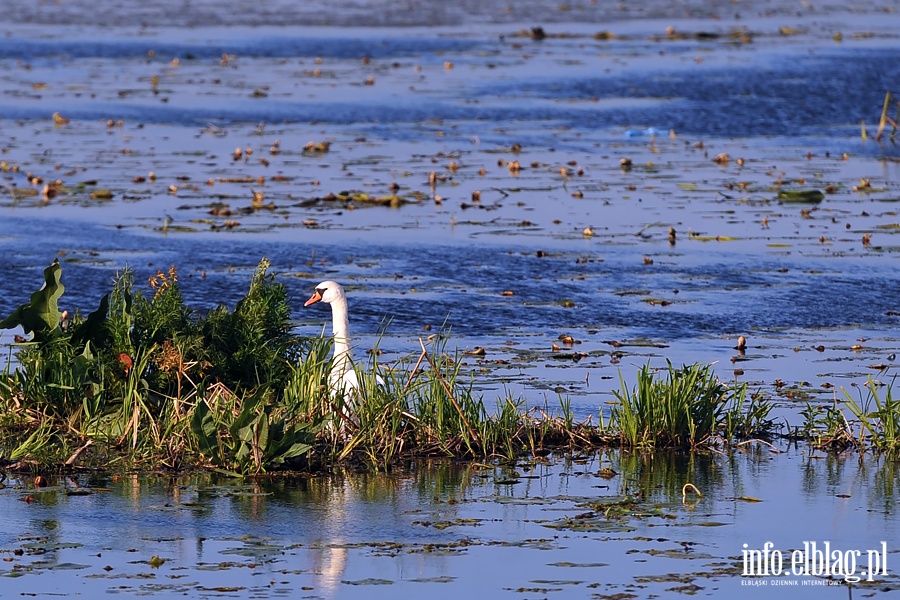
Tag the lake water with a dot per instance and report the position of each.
(526, 132)
(555, 529)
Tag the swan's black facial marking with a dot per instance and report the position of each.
(322, 291)
(316, 297)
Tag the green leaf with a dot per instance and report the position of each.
(204, 427)
(41, 315)
(96, 327)
(296, 449)
(801, 196)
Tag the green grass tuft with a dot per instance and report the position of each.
(689, 408)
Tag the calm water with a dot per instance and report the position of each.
(401, 90)
(443, 529)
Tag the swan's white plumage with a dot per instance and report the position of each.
(342, 380)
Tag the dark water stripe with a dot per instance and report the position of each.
(300, 46)
(719, 295)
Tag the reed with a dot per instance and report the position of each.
(877, 416)
(689, 408)
(423, 408)
(145, 381)
(825, 428)
(890, 101)
(886, 118)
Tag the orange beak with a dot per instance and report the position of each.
(313, 299)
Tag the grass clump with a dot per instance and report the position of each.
(687, 409)
(825, 428)
(877, 416)
(423, 407)
(873, 423)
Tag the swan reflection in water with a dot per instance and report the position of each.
(329, 554)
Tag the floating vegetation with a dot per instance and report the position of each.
(362, 198)
(801, 196)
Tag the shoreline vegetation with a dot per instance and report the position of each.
(144, 382)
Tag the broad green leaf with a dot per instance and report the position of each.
(204, 428)
(96, 327)
(41, 315)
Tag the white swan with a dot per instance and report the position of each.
(342, 379)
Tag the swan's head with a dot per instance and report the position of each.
(327, 291)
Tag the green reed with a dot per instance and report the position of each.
(878, 417)
(689, 408)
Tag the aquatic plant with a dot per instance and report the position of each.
(422, 407)
(824, 427)
(146, 380)
(145, 376)
(885, 119)
(254, 434)
(878, 417)
(874, 422)
(689, 408)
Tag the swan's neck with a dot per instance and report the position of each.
(340, 329)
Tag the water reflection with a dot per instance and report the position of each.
(442, 521)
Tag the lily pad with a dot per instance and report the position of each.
(67, 566)
(438, 579)
(801, 196)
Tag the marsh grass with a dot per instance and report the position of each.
(877, 415)
(825, 427)
(873, 423)
(146, 382)
(890, 101)
(423, 407)
(687, 409)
